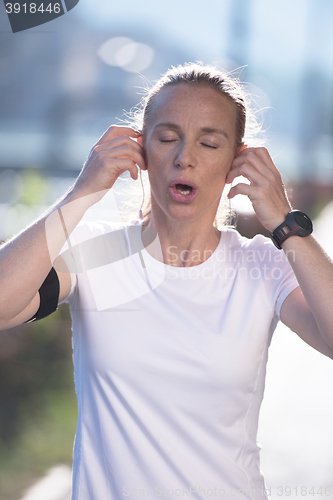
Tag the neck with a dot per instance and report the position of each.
(179, 243)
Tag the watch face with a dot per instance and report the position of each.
(303, 220)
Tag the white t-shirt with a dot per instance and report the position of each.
(170, 365)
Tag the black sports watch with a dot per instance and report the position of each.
(296, 224)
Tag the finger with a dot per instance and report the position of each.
(118, 166)
(249, 165)
(240, 188)
(240, 149)
(126, 151)
(252, 165)
(121, 140)
(116, 131)
(244, 170)
(263, 155)
(260, 152)
(127, 147)
(251, 158)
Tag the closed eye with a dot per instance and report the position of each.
(208, 145)
(167, 140)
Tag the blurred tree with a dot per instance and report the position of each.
(34, 188)
(38, 407)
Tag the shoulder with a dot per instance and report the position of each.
(259, 249)
(94, 243)
(89, 229)
(237, 241)
(101, 230)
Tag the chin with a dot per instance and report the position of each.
(185, 213)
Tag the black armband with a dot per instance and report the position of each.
(49, 296)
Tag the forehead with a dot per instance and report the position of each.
(194, 103)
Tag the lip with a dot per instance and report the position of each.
(183, 198)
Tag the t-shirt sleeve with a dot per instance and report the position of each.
(279, 279)
(66, 263)
(80, 249)
(70, 255)
(73, 286)
(288, 284)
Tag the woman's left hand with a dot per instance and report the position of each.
(266, 189)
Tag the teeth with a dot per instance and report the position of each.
(183, 189)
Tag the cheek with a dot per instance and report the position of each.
(155, 168)
(156, 160)
(151, 162)
(223, 166)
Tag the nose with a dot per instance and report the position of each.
(185, 156)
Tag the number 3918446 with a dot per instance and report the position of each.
(32, 8)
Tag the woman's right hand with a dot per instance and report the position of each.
(114, 153)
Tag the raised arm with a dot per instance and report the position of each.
(27, 259)
(308, 309)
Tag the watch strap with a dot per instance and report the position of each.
(290, 227)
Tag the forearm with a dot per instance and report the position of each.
(314, 272)
(26, 260)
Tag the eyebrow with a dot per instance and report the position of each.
(205, 130)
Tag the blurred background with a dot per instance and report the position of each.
(61, 85)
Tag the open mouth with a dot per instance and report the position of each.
(183, 192)
(184, 188)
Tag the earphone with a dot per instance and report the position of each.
(143, 195)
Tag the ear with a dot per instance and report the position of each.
(140, 141)
(241, 148)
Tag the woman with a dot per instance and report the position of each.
(172, 318)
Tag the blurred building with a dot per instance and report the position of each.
(59, 90)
